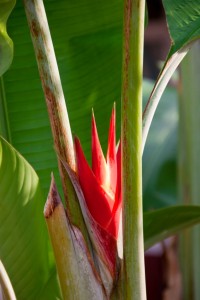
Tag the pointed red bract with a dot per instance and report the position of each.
(118, 200)
(98, 201)
(99, 166)
(99, 193)
(104, 243)
(101, 185)
(111, 153)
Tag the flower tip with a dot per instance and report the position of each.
(94, 127)
(113, 116)
(77, 145)
(76, 141)
(111, 137)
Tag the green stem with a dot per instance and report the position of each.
(189, 166)
(50, 78)
(133, 268)
(55, 101)
(5, 285)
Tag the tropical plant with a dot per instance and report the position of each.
(93, 260)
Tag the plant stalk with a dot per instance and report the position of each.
(6, 289)
(133, 265)
(55, 101)
(189, 166)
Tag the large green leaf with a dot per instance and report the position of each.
(183, 18)
(6, 44)
(87, 39)
(165, 222)
(23, 234)
(51, 290)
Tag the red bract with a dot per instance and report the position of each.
(98, 190)
(101, 184)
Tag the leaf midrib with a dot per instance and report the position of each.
(4, 119)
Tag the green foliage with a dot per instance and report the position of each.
(23, 234)
(162, 223)
(87, 36)
(183, 18)
(6, 44)
(89, 58)
(23, 238)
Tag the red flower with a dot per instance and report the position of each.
(101, 185)
(98, 190)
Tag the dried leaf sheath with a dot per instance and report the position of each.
(78, 278)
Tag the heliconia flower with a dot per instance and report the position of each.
(98, 189)
(101, 184)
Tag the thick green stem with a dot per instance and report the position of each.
(55, 101)
(189, 166)
(133, 268)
